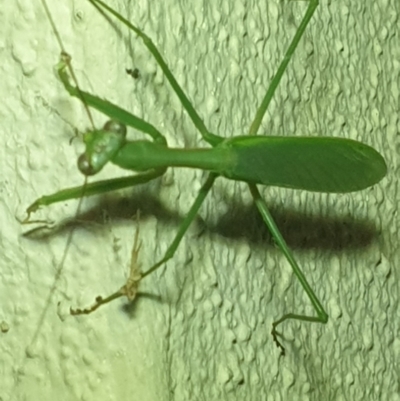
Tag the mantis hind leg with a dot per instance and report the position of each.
(321, 315)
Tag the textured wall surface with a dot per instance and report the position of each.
(204, 331)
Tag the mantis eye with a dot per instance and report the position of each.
(115, 127)
(101, 147)
(85, 166)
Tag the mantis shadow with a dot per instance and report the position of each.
(301, 230)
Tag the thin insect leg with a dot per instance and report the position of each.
(198, 122)
(129, 289)
(204, 190)
(109, 109)
(68, 65)
(255, 125)
(93, 188)
(322, 316)
(212, 139)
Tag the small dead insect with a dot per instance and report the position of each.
(129, 289)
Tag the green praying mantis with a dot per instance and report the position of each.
(320, 164)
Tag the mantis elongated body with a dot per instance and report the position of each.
(321, 164)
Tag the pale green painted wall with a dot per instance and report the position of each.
(209, 336)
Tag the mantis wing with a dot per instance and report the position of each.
(319, 164)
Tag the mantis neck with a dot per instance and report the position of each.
(146, 155)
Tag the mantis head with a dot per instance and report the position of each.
(101, 147)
